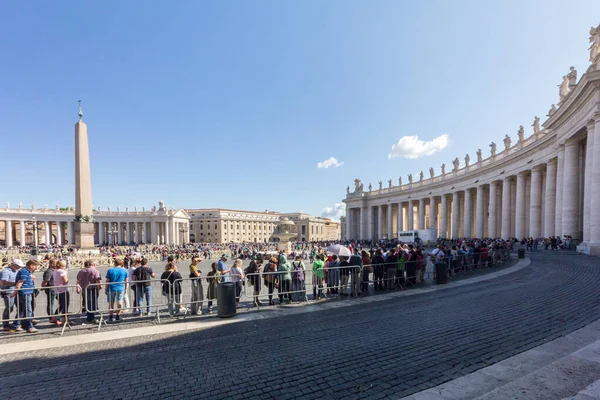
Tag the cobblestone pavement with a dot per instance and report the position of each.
(385, 349)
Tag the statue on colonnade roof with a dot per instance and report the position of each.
(431, 172)
(380, 185)
(410, 179)
(357, 185)
(507, 142)
(572, 75)
(443, 167)
(521, 133)
(370, 187)
(564, 88)
(467, 160)
(536, 125)
(595, 47)
(390, 183)
(456, 163)
(479, 155)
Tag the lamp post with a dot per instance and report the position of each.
(183, 230)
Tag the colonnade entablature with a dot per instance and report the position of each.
(540, 186)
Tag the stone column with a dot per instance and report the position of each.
(48, 233)
(444, 217)
(410, 216)
(570, 206)
(101, 239)
(595, 185)
(479, 212)
(22, 233)
(535, 201)
(167, 233)
(400, 217)
(71, 230)
(467, 213)
(455, 215)
(363, 223)
(492, 207)
(587, 186)
(433, 213)
(390, 222)
(520, 206)
(348, 223)
(506, 209)
(119, 232)
(8, 233)
(560, 174)
(377, 232)
(550, 199)
(59, 233)
(421, 213)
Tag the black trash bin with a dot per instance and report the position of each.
(226, 300)
(521, 253)
(441, 273)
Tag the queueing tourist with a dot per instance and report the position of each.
(213, 278)
(143, 285)
(197, 289)
(318, 268)
(116, 278)
(61, 281)
(253, 273)
(8, 279)
(236, 275)
(285, 279)
(50, 290)
(88, 284)
(24, 288)
(172, 289)
(298, 286)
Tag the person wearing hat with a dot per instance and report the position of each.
(25, 282)
(223, 269)
(7, 286)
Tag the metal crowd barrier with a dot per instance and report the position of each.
(156, 297)
(46, 304)
(189, 294)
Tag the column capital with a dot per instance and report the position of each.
(552, 161)
(572, 142)
(539, 167)
(522, 174)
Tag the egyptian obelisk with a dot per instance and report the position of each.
(84, 220)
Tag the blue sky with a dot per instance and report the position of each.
(233, 104)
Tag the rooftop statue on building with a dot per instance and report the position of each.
(370, 187)
(572, 75)
(431, 172)
(380, 185)
(479, 155)
(467, 160)
(564, 88)
(536, 125)
(595, 47)
(410, 180)
(127, 210)
(108, 209)
(33, 206)
(456, 163)
(507, 142)
(46, 207)
(20, 206)
(521, 133)
(57, 207)
(390, 184)
(400, 181)
(552, 110)
(493, 149)
(161, 206)
(357, 185)
(348, 189)
(421, 176)
(443, 167)
(7, 204)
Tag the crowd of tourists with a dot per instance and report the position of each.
(376, 264)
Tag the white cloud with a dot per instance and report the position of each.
(338, 210)
(329, 163)
(413, 147)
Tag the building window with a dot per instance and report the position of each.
(201, 227)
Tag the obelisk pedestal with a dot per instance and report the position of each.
(84, 220)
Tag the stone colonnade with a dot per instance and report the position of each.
(545, 185)
(20, 227)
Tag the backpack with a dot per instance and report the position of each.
(144, 275)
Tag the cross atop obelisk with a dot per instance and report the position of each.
(84, 221)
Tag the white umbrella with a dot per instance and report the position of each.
(339, 250)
